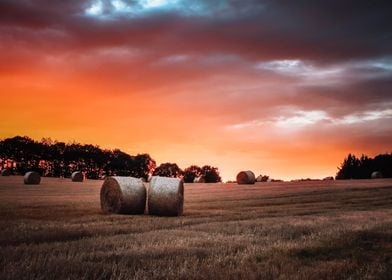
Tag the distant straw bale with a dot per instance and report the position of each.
(5, 172)
(166, 196)
(376, 175)
(123, 195)
(77, 176)
(246, 177)
(32, 178)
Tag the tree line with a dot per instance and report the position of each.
(58, 159)
(363, 167)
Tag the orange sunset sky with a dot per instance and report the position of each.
(283, 88)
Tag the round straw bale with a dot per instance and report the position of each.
(246, 177)
(123, 195)
(376, 175)
(77, 176)
(32, 178)
(5, 172)
(165, 196)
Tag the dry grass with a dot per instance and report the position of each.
(308, 230)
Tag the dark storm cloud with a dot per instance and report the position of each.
(39, 13)
(324, 32)
(364, 95)
(342, 29)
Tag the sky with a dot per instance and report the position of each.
(283, 88)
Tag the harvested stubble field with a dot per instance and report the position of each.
(307, 230)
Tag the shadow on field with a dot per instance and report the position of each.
(358, 245)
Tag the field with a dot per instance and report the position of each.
(307, 230)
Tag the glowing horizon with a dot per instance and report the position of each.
(235, 86)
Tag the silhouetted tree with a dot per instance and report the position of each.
(120, 163)
(23, 151)
(52, 158)
(168, 170)
(348, 168)
(365, 167)
(210, 174)
(383, 163)
(262, 178)
(142, 166)
(191, 172)
(362, 168)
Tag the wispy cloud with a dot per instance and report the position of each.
(106, 9)
(300, 68)
(304, 119)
